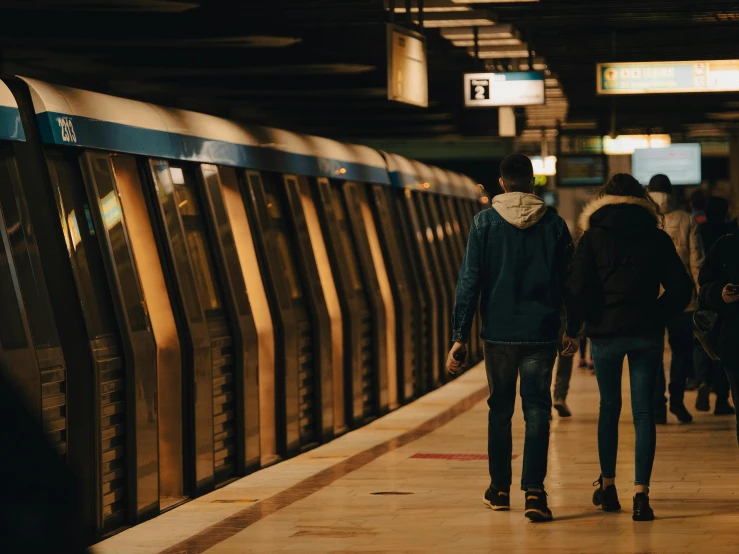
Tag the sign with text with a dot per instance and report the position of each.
(407, 71)
(668, 77)
(520, 88)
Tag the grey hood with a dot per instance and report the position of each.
(520, 209)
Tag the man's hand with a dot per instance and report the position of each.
(452, 365)
(569, 346)
(730, 294)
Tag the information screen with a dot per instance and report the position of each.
(680, 162)
(519, 88)
(581, 171)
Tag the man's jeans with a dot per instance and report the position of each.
(503, 362)
(680, 337)
(645, 355)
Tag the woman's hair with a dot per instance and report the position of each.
(623, 184)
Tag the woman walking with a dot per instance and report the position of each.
(621, 261)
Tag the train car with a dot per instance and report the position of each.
(189, 299)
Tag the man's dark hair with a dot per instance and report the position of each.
(517, 173)
(660, 183)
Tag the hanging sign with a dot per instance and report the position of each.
(668, 77)
(519, 88)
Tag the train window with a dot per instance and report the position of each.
(345, 239)
(202, 270)
(84, 252)
(197, 241)
(288, 262)
(25, 255)
(12, 330)
(112, 215)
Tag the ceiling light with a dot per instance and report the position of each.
(490, 31)
(493, 1)
(495, 52)
(551, 82)
(489, 42)
(480, 18)
(540, 64)
(430, 6)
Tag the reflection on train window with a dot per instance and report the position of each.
(346, 239)
(282, 245)
(24, 252)
(186, 202)
(201, 262)
(87, 263)
(110, 211)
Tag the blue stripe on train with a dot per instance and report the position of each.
(10, 124)
(55, 128)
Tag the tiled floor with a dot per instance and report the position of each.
(430, 455)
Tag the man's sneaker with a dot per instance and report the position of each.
(606, 498)
(499, 501)
(703, 400)
(723, 408)
(642, 511)
(681, 412)
(536, 507)
(561, 407)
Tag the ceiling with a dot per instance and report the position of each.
(319, 66)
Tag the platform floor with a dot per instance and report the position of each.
(431, 457)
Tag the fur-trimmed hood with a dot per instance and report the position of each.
(584, 223)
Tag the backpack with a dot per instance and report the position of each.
(706, 328)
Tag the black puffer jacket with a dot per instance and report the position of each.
(621, 260)
(720, 269)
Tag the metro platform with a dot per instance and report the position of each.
(413, 481)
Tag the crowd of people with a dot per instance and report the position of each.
(639, 267)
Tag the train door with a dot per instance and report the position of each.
(297, 399)
(357, 349)
(376, 321)
(414, 239)
(169, 392)
(246, 376)
(224, 193)
(332, 375)
(408, 305)
(119, 334)
(212, 345)
(438, 271)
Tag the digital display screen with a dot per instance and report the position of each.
(680, 162)
(581, 171)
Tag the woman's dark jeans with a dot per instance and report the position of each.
(645, 358)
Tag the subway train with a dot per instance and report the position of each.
(187, 299)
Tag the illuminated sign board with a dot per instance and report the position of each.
(407, 70)
(668, 77)
(544, 166)
(519, 88)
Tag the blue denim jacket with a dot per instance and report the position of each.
(518, 274)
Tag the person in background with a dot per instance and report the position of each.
(709, 374)
(621, 261)
(698, 206)
(683, 230)
(585, 363)
(719, 291)
(516, 265)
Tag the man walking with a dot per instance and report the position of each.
(516, 264)
(683, 231)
